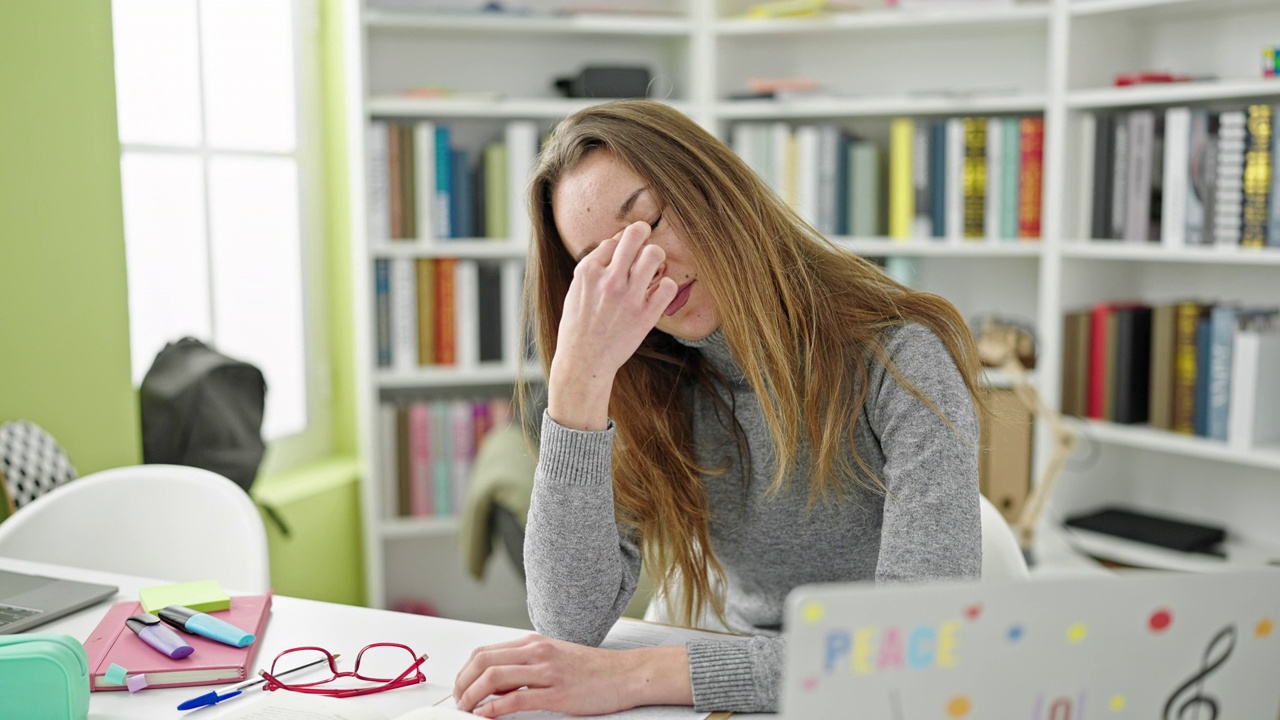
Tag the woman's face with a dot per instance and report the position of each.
(601, 196)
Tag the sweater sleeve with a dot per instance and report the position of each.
(581, 568)
(737, 674)
(932, 527)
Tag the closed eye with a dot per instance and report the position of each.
(654, 225)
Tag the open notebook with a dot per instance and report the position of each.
(1138, 645)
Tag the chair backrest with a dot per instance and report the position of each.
(32, 462)
(170, 522)
(1001, 555)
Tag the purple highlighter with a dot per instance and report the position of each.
(159, 636)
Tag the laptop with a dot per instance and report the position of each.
(1144, 644)
(27, 601)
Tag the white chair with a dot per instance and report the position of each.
(1001, 555)
(169, 522)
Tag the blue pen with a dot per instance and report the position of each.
(213, 698)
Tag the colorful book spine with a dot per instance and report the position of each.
(901, 188)
(446, 312)
(938, 173)
(1273, 202)
(444, 183)
(424, 179)
(1030, 180)
(1184, 368)
(426, 271)
(441, 463)
(1202, 165)
(1228, 205)
(1257, 176)
(404, 314)
(1010, 178)
(975, 177)
(421, 445)
(382, 309)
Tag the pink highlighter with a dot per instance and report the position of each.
(159, 636)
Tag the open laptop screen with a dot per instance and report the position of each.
(1150, 645)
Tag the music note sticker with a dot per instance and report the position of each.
(1176, 707)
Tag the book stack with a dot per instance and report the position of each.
(425, 186)
(1183, 176)
(1189, 367)
(428, 446)
(960, 178)
(445, 312)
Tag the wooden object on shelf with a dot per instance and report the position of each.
(997, 347)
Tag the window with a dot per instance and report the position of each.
(220, 217)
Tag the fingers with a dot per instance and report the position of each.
(509, 652)
(628, 248)
(527, 699)
(659, 299)
(500, 680)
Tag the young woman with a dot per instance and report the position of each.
(734, 403)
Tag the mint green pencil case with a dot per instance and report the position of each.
(43, 676)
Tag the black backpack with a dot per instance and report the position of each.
(203, 409)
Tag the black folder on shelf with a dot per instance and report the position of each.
(1151, 529)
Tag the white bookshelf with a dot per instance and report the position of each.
(1054, 58)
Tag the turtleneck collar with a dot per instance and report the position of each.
(715, 350)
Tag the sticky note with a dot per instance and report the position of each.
(136, 683)
(114, 675)
(202, 595)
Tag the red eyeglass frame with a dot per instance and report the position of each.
(411, 676)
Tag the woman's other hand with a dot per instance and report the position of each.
(538, 673)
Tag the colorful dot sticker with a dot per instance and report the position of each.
(1015, 633)
(813, 612)
(1117, 703)
(1264, 628)
(959, 706)
(1160, 620)
(1076, 633)
(973, 612)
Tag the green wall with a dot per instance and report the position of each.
(64, 326)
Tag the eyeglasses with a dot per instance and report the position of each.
(378, 663)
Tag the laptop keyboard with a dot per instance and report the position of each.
(10, 614)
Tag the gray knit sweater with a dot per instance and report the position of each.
(583, 570)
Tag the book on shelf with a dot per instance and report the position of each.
(901, 186)
(1184, 367)
(1222, 323)
(1228, 203)
(1030, 182)
(974, 177)
(953, 180)
(1132, 349)
(1273, 200)
(1257, 177)
(424, 179)
(382, 310)
(429, 448)
(404, 304)
(1163, 351)
(1137, 181)
(1176, 171)
(425, 271)
(111, 642)
(1075, 364)
(1201, 174)
(1204, 347)
(922, 225)
(1254, 406)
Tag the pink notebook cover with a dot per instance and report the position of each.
(212, 662)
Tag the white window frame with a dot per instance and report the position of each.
(315, 440)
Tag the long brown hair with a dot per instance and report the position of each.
(800, 315)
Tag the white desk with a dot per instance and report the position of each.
(293, 622)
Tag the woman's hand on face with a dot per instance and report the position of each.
(538, 673)
(617, 296)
